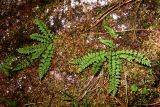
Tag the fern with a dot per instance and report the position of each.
(43, 50)
(113, 59)
(6, 66)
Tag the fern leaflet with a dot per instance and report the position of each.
(134, 55)
(111, 32)
(42, 26)
(39, 37)
(108, 43)
(45, 61)
(30, 49)
(44, 29)
(114, 69)
(89, 59)
(96, 66)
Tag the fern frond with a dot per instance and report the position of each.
(6, 66)
(111, 32)
(134, 55)
(39, 37)
(44, 29)
(30, 49)
(114, 69)
(108, 43)
(45, 61)
(96, 66)
(89, 59)
(23, 64)
(42, 26)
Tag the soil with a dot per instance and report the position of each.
(138, 26)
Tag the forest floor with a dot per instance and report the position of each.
(79, 29)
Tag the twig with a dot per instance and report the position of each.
(26, 105)
(87, 88)
(51, 100)
(89, 82)
(138, 30)
(153, 104)
(126, 88)
(111, 9)
(100, 33)
(135, 20)
(120, 102)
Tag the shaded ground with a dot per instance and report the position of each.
(138, 26)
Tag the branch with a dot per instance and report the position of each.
(111, 9)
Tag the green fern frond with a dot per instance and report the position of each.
(39, 37)
(111, 32)
(6, 66)
(108, 43)
(134, 55)
(96, 66)
(89, 59)
(44, 29)
(42, 26)
(30, 49)
(114, 69)
(23, 64)
(46, 61)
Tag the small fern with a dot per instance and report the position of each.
(43, 50)
(113, 59)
